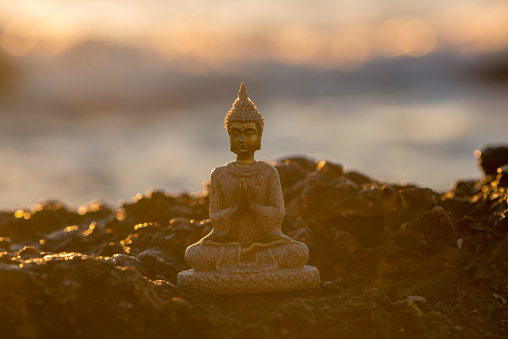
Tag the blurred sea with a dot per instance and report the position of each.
(131, 122)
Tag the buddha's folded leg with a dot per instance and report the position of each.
(202, 257)
(292, 255)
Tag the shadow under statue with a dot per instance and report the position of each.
(246, 252)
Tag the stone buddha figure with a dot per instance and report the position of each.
(246, 251)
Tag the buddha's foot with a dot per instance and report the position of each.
(215, 282)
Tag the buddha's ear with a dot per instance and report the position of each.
(230, 144)
(260, 135)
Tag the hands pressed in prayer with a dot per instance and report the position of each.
(244, 202)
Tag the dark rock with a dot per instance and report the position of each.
(292, 171)
(395, 262)
(147, 227)
(502, 176)
(155, 263)
(358, 178)
(110, 249)
(47, 217)
(7, 258)
(12, 276)
(330, 169)
(61, 240)
(160, 207)
(89, 298)
(28, 252)
(493, 158)
(5, 243)
(467, 188)
(125, 260)
(418, 198)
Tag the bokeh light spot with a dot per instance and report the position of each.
(19, 37)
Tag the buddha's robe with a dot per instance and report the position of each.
(236, 236)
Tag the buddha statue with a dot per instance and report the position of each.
(246, 246)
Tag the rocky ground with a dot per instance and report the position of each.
(395, 262)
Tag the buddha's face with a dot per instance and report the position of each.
(244, 138)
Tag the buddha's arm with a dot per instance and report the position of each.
(270, 214)
(220, 215)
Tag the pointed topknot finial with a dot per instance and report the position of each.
(244, 110)
(242, 93)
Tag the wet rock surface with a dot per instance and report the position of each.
(395, 261)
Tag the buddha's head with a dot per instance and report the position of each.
(244, 125)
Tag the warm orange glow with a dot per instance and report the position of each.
(475, 29)
(57, 36)
(119, 216)
(149, 193)
(169, 39)
(70, 228)
(350, 47)
(495, 21)
(387, 38)
(19, 37)
(320, 165)
(18, 214)
(195, 46)
(416, 37)
(90, 229)
(81, 210)
(296, 45)
(215, 42)
(477, 154)
(413, 37)
(138, 226)
(462, 27)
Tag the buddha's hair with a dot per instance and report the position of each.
(244, 110)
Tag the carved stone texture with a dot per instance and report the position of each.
(217, 282)
(246, 252)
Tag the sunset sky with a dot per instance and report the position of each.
(200, 37)
(104, 99)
